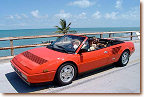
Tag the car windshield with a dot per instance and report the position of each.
(67, 43)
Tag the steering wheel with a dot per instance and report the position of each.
(70, 46)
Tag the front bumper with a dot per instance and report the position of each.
(20, 74)
(35, 78)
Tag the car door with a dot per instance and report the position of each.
(114, 54)
(93, 59)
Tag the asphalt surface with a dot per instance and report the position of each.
(106, 80)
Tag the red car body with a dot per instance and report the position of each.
(41, 64)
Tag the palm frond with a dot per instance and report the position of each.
(69, 24)
(58, 28)
(63, 23)
(67, 28)
(59, 32)
(72, 31)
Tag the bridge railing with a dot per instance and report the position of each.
(12, 47)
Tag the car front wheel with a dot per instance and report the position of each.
(66, 73)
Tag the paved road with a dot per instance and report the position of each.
(107, 80)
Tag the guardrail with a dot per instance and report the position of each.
(12, 47)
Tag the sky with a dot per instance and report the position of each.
(31, 14)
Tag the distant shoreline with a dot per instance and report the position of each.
(71, 28)
(49, 31)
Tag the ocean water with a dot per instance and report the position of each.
(34, 32)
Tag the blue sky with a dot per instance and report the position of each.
(29, 14)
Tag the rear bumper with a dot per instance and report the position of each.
(34, 78)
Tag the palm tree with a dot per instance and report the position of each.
(64, 29)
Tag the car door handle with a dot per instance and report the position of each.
(105, 51)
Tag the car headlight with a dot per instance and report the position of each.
(24, 76)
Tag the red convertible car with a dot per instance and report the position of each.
(68, 56)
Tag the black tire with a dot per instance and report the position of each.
(120, 62)
(58, 78)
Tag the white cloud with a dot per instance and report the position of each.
(45, 16)
(81, 15)
(18, 16)
(133, 13)
(96, 15)
(63, 15)
(24, 15)
(82, 3)
(112, 15)
(35, 13)
(10, 17)
(118, 4)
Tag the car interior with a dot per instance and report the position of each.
(94, 43)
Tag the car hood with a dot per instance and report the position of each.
(46, 53)
(35, 57)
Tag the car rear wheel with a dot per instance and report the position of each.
(66, 73)
(124, 59)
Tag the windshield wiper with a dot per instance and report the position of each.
(62, 48)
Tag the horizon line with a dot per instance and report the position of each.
(71, 28)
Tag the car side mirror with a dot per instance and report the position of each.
(82, 51)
